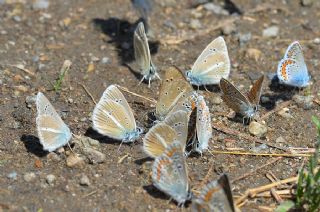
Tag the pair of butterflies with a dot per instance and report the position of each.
(176, 102)
(212, 64)
(170, 175)
(292, 69)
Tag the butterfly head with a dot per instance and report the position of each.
(134, 135)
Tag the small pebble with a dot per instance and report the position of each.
(216, 100)
(30, 100)
(253, 54)
(306, 102)
(40, 4)
(54, 157)
(216, 9)
(105, 60)
(280, 140)
(74, 160)
(306, 3)
(94, 156)
(30, 176)
(257, 129)
(12, 175)
(195, 24)
(229, 29)
(50, 179)
(285, 113)
(316, 41)
(84, 180)
(244, 38)
(270, 32)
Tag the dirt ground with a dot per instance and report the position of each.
(96, 35)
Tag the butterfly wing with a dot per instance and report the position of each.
(53, 133)
(169, 173)
(212, 64)
(216, 196)
(203, 126)
(157, 139)
(235, 99)
(294, 52)
(170, 95)
(293, 73)
(179, 122)
(255, 92)
(111, 118)
(173, 74)
(141, 50)
(44, 107)
(113, 93)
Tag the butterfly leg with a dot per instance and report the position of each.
(141, 80)
(157, 75)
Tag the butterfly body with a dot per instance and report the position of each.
(169, 173)
(212, 64)
(113, 116)
(292, 69)
(53, 132)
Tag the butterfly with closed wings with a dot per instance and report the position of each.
(173, 128)
(114, 118)
(169, 173)
(292, 70)
(52, 131)
(246, 105)
(175, 94)
(142, 54)
(212, 64)
(215, 196)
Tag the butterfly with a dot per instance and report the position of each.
(212, 64)
(175, 94)
(246, 105)
(113, 116)
(215, 196)
(52, 131)
(203, 126)
(169, 173)
(173, 128)
(292, 70)
(142, 54)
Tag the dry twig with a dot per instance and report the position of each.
(138, 95)
(87, 91)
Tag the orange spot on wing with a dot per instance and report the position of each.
(209, 194)
(159, 167)
(283, 68)
(171, 152)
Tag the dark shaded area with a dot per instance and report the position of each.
(32, 144)
(232, 7)
(121, 34)
(155, 192)
(91, 133)
(143, 160)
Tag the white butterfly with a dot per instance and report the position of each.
(212, 64)
(142, 54)
(52, 131)
(113, 116)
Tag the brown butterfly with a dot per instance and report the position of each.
(246, 105)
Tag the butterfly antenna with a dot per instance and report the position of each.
(71, 148)
(120, 146)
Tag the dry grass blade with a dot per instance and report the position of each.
(87, 91)
(138, 95)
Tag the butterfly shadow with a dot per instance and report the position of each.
(155, 192)
(32, 144)
(121, 33)
(91, 133)
(141, 161)
(209, 88)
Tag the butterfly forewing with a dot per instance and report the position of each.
(179, 122)
(294, 51)
(53, 133)
(255, 92)
(203, 126)
(233, 97)
(216, 196)
(158, 138)
(173, 74)
(114, 94)
(141, 50)
(169, 173)
(170, 96)
(212, 64)
(111, 118)
(44, 107)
